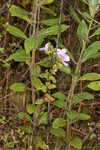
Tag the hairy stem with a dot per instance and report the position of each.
(74, 83)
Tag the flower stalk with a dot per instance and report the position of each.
(74, 84)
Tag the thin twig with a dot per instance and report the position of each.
(59, 25)
(89, 134)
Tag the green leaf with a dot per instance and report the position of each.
(52, 30)
(93, 7)
(59, 122)
(43, 33)
(52, 78)
(52, 22)
(37, 72)
(94, 85)
(65, 69)
(83, 116)
(76, 142)
(30, 108)
(82, 31)
(2, 120)
(29, 44)
(18, 56)
(50, 86)
(44, 75)
(16, 32)
(19, 12)
(97, 32)
(59, 96)
(43, 119)
(71, 56)
(1, 50)
(82, 96)
(45, 63)
(91, 51)
(75, 15)
(85, 1)
(18, 87)
(5, 64)
(41, 144)
(74, 116)
(48, 10)
(46, 2)
(22, 116)
(59, 103)
(36, 82)
(91, 76)
(58, 132)
(27, 129)
(39, 101)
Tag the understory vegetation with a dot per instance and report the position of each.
(49, 74)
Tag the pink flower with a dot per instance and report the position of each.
(44, 48)
(62, 54)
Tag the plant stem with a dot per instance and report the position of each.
(73, 86)
(59, 25)
(33, 31)
(74, 83)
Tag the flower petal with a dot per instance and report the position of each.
(66, 58)
(46, 46)
(64, 63)
(63, 51)
(42, 49)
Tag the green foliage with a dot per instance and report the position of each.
(36, 82)
(59, 103)
(45, 63)
(2, 120)
(41, 143)
(53, 113)
(48, 10)
(91, 51)
(29, 44)
(76, 142)
(22, 116)
(51, 22)
(44, 33)
(97, 32)
(60, 100)
(1, 50)
(59, 95)
(18, 56)
(65, 69)
(75, 15)
(82, 31)
(94, 85)
(75, 116)
(46, 2)
(20, 13)
(58, 132)
(91, 76)
(82, 96)
(18, 87)
(4, 63)
(16, 32)
(93, 7)
(52, 30)
(59, 122)
(39, 101)
(43, 119)
(30, 108)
